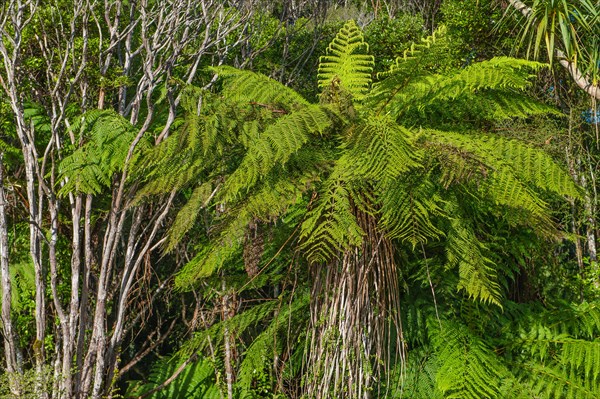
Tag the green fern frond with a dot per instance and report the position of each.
(500, 74)
(381, 149)
(276, 145)
(580, 320)
(269, 202)
(331, 226)
(477, 275)
(559, 349)
(500, 181)
(408, 209)
(252, 87)
(347, 62)
(419, 380)
(468, 369)
(535, 166)
(107, 137)
(238, 324)
(196, 380)
(22, 280)
(501, 105)
(271, 341)
(555, 383)
(205, 140)
(186, 217)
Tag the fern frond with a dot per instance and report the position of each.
(534, 166)
(468, 369)
(380, 149)
(559, 348)
(500, 182)
(501, 105)
(500, 74)
(270, 342)
(408, 209)
(331, 226)
(266, 204)
(276, 145)
(347, 62)
(419, 382)
(107, 137)
(553, 382)
(238, 324)
(186, 217)
(252, 87)
(207, 138)
(22, 281)
(196, 380)
(477, 275)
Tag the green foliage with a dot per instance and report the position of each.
(379, 165)
(345, 63)
(389, 37)
(251, 87)
(330, 227)
(196, 380)
(276, 145)
(105, 137)
(27, 381)
(395, 150)
(204, 375)
(22, 277)
(558, 348)
(468, 369)
(477, 275)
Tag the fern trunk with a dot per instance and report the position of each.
(355, 319)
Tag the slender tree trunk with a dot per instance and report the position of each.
(10, 339)
(229, 342)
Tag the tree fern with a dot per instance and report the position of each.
(362, 182)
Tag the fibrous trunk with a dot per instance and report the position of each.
(355, 319)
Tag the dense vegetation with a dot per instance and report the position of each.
(307, 199)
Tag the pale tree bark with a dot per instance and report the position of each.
(227, 312)
(15, 16)
(182, 22)
(13, 368)
(146, 41)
